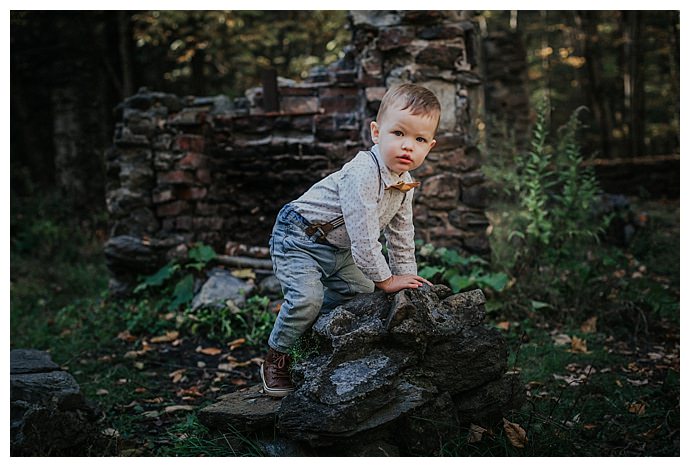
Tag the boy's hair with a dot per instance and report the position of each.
(414, 97)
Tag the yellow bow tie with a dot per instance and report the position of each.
(404, 187)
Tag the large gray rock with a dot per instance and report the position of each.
(220, 287)
(401, 370)
(49, 415)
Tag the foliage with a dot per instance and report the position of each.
(171, 289)
(225, 51)
(176, 279)
(550, 223)
(583, 56)
(253, 321)
(190, 438)
(458, 272)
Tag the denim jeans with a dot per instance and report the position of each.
(314, 277)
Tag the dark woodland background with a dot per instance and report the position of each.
(69, 69)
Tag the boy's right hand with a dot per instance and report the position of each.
(405, 281)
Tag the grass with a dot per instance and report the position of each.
(59, 303)
(579, 404)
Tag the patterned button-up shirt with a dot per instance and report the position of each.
(359, 193)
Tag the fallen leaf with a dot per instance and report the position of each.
(139, 365)
(133, 354)
(244, 273)
(238, 381)
(590, 325)
(102, 392)
(578, 345)
(226, 366)
(561, 339)
(140, 390)
(177, 408)
(589, 426)
(167, 337)
(126, 336)
(193, 391)
(200, 364)
(177, 375)
(504, 325)
(636, 382)
(155, 400)
(150, 414)
(618, 383)
(638, 408)
(515, 434)
(573, 380)
(475, 434)
(652, 432)
(209, 350)
(236, 343)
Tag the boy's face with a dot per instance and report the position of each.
(404, 139)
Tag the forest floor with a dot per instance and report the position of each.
(607, 386)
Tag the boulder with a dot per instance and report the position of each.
(391, 373)
(49, 414)
(220, 287)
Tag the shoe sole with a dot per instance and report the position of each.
(273, 392)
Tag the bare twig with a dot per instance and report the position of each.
(244, 262)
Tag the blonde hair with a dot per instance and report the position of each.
(414, 97)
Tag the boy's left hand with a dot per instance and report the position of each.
(404, 281)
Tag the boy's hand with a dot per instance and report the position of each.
(405, 281)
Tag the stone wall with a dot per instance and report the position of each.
(214, 170)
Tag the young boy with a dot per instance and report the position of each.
(325, 245)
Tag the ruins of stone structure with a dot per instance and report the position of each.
(213, 170)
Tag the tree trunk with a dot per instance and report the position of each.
(80, 109)
(596, 93)
(125, 51)
(633, 83)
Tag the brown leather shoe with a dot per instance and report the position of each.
(275, 374)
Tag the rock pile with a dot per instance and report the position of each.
(387, 372)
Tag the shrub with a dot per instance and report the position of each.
(549, 224)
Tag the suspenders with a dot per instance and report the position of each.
(326, 227)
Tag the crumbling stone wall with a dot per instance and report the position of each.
(214, 170)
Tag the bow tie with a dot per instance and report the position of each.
(404, 187)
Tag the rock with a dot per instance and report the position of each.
(245, 410)
(221, 287)
(31, 361)
(270, 286)
(129, 256)
(49, 414)
(395, 373)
